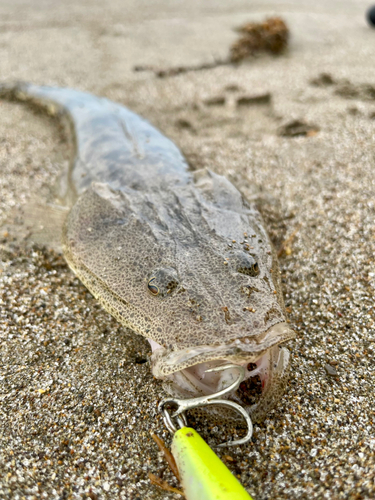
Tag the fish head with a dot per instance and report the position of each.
(199, 280)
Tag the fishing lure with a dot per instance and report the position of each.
(202, 474)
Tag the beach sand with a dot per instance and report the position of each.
(78, 400)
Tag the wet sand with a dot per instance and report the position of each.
(78, 400)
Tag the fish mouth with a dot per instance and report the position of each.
(266, 366)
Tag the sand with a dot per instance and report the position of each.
(78, 400)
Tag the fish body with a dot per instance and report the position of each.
(179, 257)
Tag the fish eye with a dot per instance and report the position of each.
(152, 287)
(162, 281)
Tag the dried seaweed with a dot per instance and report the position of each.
(272, 36)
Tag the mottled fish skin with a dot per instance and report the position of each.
(179, 257)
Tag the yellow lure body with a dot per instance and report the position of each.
(203, 475)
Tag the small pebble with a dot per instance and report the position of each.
(330, 370)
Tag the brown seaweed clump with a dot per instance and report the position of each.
(269, 36)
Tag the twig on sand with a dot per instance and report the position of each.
(164, 73)
(157, 481)
(167, 455)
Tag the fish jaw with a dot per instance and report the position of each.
(185, 376)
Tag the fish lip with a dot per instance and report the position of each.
(166, 361)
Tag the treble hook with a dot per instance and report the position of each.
(212, 399)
